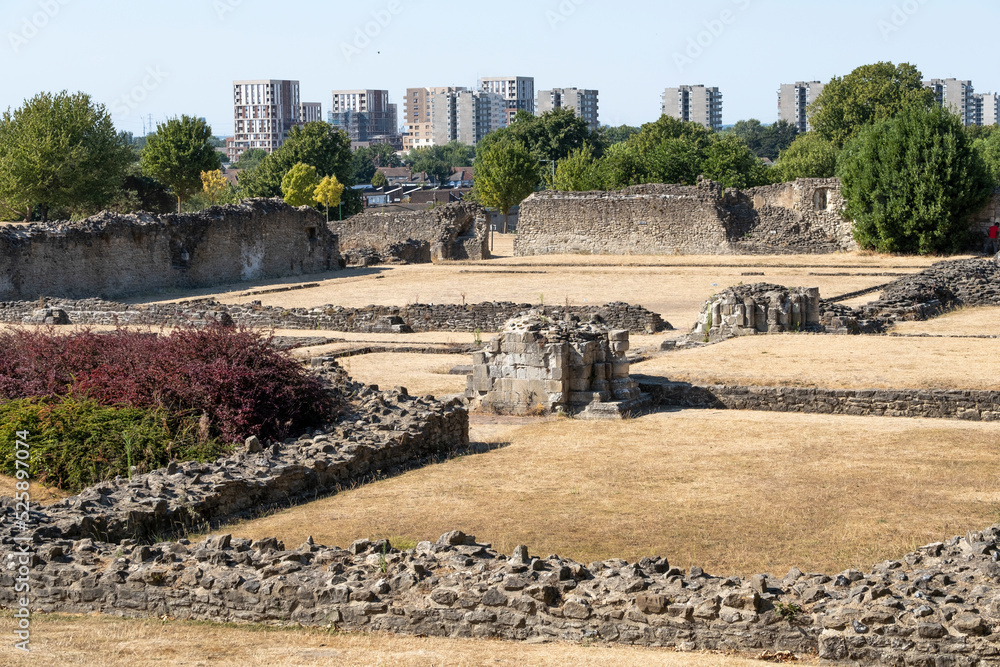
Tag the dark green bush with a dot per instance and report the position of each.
(76, 442)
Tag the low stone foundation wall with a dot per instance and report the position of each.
(964, 404)
(485, 317)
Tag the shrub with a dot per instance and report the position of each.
(76, 442)
(234, 376)
(911, 183)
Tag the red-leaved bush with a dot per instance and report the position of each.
(244, 385)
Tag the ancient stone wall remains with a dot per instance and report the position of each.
(537, 364)
(800, 217)
(120, 255)
(485, 317)
(982, 221)
(965, 404)
(455, 231)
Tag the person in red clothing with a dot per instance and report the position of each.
(994, 238)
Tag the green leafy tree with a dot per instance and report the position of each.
(250, 158)
(911, 183)
(379, 180)
(177, 154)
(328, 193)
(730, 162)
(616, 135)
(621, 166)
(60, 151)
(440, 162)
(977, 132)
(299, 185)
(809, 156)
(506, 173)
(579, 172)
(215, 187)
(366, 161)
(989, 150)
(550, 136)
(868, 95)
(765, 140)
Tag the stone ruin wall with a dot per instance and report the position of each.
(799, 217)
(456, 231)
(115, 256)
(487, 317)
(758, 309)
(536, 364)
(939, 605)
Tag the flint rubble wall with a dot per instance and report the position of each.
(114, 256)
(799, 217)
(455, 231)
(486, 317)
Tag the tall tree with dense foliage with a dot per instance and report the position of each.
(579, 172)
(809, 156)
(299, 185)
(506, 173)
(765, 140)
(989, 149)
(366, 161)
(730, 162)
(911, 183)
(550, 136)
(250, 158)
(378, 180)
(60, 152)
(214, 185)
(616, 135)
(439, 162)
(868, 95)
(178, 153)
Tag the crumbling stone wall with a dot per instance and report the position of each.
(113, 256)
(800, 217)
(536, 364)
(484, 317)
(758, 308)
(455, 231)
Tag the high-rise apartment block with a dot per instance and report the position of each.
(989, 108)
(582, 102)
(518, 91)
(436, 116)
(697, 104)
(310, 112)
(263, 113)
(794, 100)
(365, 115)
(958, 96)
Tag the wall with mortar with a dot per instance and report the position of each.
(455, 231)
(800, 217)
(536, 363)
(120, 255)
(486, 317)
(966, 404)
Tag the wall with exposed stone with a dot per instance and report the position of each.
(113, 256)
(537, 364)
(799, 217)
(456, 231)
(485, 317)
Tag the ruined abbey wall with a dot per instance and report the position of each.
(799, 217)
(113, 256)
(452, 232)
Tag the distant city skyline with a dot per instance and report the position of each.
(163, 60)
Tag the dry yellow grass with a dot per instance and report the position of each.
(421, 374)
(111, 642)
(984, 321)
(731, 491)
(854, 362)
(673, 286)
(40, 495)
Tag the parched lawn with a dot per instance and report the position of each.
(114, 642)
(983, 321)
(836, 362)
(734, 492)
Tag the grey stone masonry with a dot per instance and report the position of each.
(485, 317)
(455, 231)
(800, 217)
(539, 365)
(113, 256)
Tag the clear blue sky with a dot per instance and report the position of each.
(165, 58)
